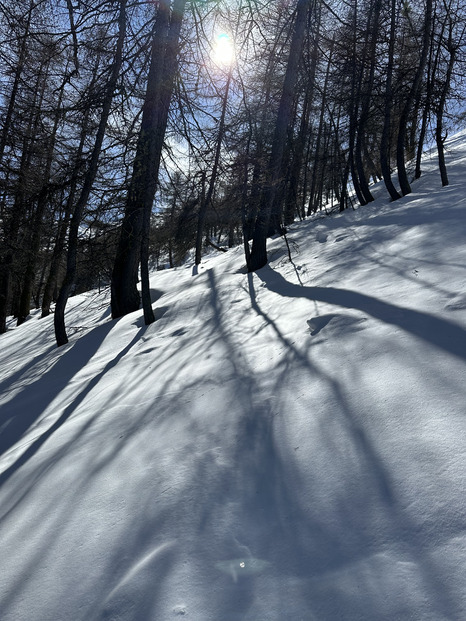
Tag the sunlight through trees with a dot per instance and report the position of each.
(135, 135)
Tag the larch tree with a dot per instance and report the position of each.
(274, 172)
(385, 140)
(59, 315)
(133, 245)
(410, 99)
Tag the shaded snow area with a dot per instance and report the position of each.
(283, 446)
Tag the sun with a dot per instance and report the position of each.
(223, 51)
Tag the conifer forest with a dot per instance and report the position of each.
(136, 133)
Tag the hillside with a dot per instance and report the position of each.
(282, 446)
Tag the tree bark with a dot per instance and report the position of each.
(410, 101)
(385, 146)
(71, 259)
(317, 169)
(134, 233)
(439, 137)
(373, 27)
(258, 256)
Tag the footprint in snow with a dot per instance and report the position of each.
(178, 332)
(457, 302)
(339, 324)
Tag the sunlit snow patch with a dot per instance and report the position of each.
(242, 567)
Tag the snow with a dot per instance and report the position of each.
(287, 445)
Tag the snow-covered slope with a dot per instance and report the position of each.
(283, 446)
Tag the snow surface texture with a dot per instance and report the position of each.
(282, 446)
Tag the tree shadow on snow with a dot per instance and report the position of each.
(258, 509)
(16, 421)
(345, 543)
(242, 494)
(442, 333)
(248, 503)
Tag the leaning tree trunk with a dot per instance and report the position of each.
(59, 247)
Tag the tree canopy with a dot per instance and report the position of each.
(135, 133)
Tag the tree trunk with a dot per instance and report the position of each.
(410, 101)
(71, 259)
(213, 178)
(134, 234)
(258, 256)
(36, 237)
(16, 82)
(385, 146)
(301, 150)
(12, 224)
(439, 137)
(63, 225)
(317, 169)
(373, 28)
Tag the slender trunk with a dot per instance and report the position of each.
(410, 101)
(16, 82)
(246, 214)
(34, 246)
(372, 27)
(71, 259)
(291, 207)
(354, 103)
(63, 225)
(258, 256)
(439, 137)
(12, 224)
(317, 170)
(432, 65)
(385, 146)
(213, 178)
(12, 227)
(297, 163)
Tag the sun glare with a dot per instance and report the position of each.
(223, 52)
